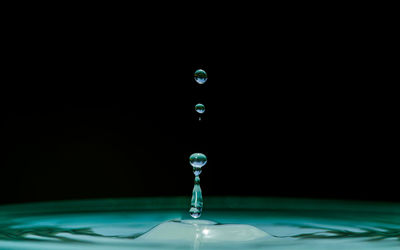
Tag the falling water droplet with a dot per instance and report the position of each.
(200, 108)
(200, 76)
(197, 160)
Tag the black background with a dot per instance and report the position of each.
(91, 110)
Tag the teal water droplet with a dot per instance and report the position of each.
(200, 108)
(197, 160)
(200, 76)
(196, 204)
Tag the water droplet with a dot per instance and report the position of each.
(200, 108)
(195, 212)
(200, 76)
(198, 160)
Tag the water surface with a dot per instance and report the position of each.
(122, 224)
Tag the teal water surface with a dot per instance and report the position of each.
(124, 223)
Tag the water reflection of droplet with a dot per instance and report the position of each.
(200, 76)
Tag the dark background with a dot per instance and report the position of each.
(91, 111)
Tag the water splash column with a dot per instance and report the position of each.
(197, 160)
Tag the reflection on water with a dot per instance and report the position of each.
(286, 229)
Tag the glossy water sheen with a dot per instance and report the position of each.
(154, 223)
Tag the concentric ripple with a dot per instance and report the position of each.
(139, 224)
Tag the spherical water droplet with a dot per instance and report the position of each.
(200, 108)
(200, 76)
(198, 160)
(195, 212)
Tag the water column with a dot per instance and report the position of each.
(197, 160)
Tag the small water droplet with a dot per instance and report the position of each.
(200, 76)
(197, 160)
(200, 108)
(195, 212)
